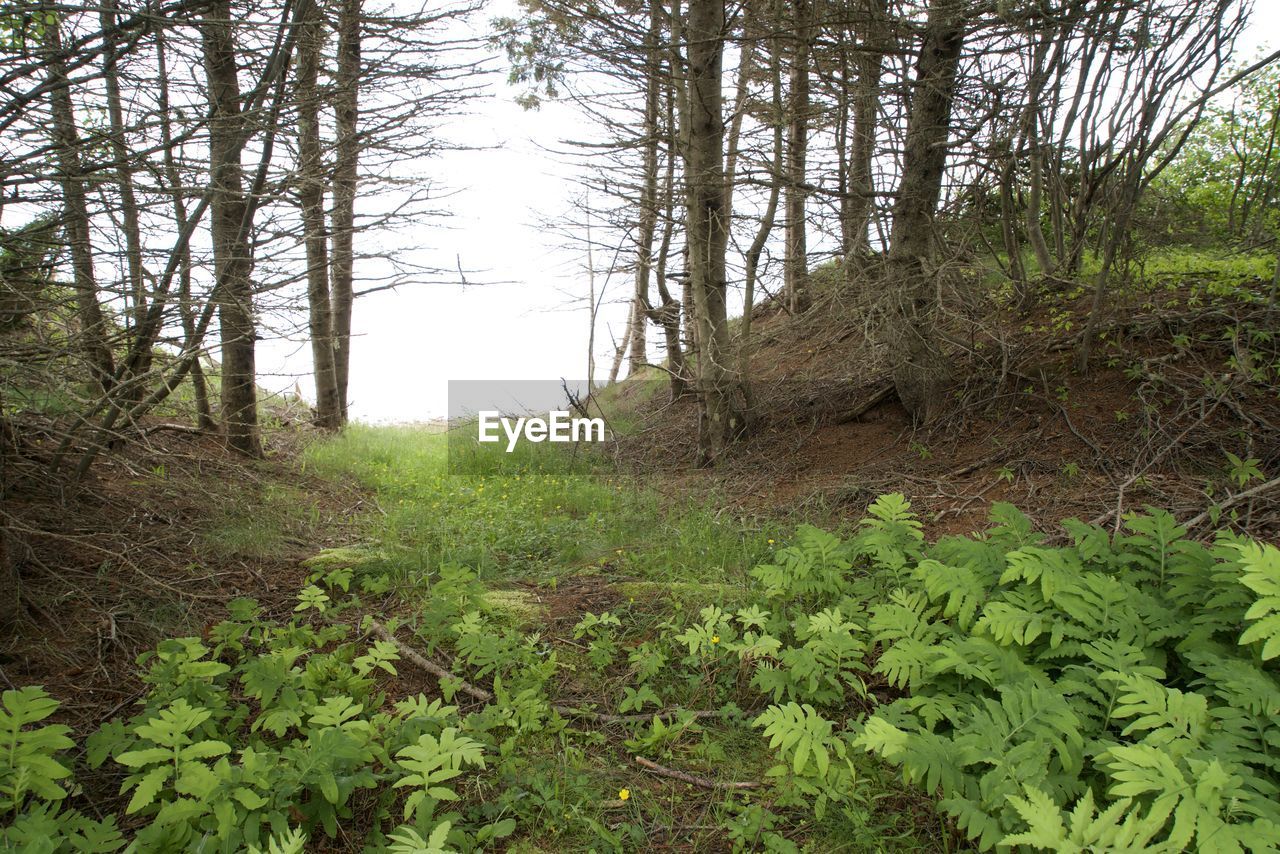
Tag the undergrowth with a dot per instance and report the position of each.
(1115, 693)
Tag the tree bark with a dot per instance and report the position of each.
(328, 413)
(920, 371)
(796, 261)
(125, 183)
(866, 113)
(186, 309)
(232, 250)
(346, 114)
(707, 230)
(66, 143)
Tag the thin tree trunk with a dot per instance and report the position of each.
(1008, 224)
(920, 372)
(328, 413)
(765, 228)
(1115, 235)
(66, 143)
(232, 251)
(200, 390)
(124, 178)
(866, 113)
(742, 90)
(1035, 181)
(668, 313)
(346, 113)
(707, 230)
(796, 262)
(624, 345)
(679, 128)
(648, 219)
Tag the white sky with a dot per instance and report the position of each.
(533, 323)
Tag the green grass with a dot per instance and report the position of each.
(532, 520)
(257, 528)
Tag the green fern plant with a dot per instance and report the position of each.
(28, 755)
(433, 761)
(1096, 674)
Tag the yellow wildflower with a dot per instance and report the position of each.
(624, 794)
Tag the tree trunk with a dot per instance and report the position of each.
(796, 262)
(66, 144)
(648, 219)
(346, 113)
(668, 313)
(311, 177)
(186, 310)
(707, 230)
(920, 371)
(765, 228)
(1116, 233)
(124, 177)
(866, 114)
(232, 250)
(620, 350)
(1035, 181)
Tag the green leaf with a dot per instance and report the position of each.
(147, 788)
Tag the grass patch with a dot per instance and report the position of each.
(257, 528)
(535, 522)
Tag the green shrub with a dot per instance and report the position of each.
(1047, 684)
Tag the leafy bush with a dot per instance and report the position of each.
(1097, 694)
(1113, 693)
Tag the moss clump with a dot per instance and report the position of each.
(643, 591)
(518, 607)
(344, 557)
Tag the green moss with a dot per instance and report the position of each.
(344, 557)
(518, 607)
(684, 591)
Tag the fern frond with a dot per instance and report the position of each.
(1006, 623)
(1158, 707)
(1011, 529)
(1260, 565)
(1056, 570)
(959, 585)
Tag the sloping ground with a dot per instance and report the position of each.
(152, 544)
(1181, 380)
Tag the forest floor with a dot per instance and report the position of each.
(1176, 391)
(168, 530)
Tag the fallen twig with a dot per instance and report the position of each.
(1232, 501)
(701, 782)
(412, 655)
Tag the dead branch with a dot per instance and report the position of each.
(1233, 501)
(700, 782)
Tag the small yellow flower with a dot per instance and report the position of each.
(715, 639)
(771, 542)
(624, 794)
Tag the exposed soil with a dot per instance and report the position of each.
(111, 565)
(1151, 424)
